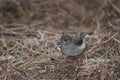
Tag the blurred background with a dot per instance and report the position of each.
(77, 15)
(30, 29)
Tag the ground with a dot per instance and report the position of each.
(30, 30)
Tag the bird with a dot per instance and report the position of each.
(72, 45)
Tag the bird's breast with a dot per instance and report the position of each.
(72, 50)
(67, 50)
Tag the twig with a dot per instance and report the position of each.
(117, 40)
(114, 27)
(111, 37)
(3, 39)
(102, 42)
(114, 6)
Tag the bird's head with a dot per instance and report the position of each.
(65, 40)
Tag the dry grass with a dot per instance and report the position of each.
(28, 49)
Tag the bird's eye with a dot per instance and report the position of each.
(65, 39)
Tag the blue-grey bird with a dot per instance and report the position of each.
(72, 45)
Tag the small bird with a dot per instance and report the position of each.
(72, 45)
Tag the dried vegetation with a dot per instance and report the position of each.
(29, 31)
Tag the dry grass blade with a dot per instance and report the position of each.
(114, 6)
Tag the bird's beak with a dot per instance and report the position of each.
(60, 43)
